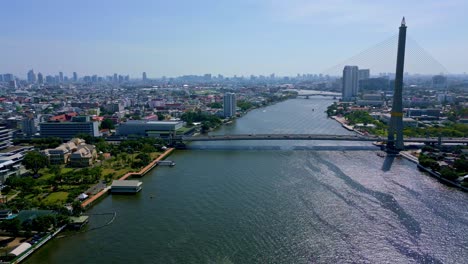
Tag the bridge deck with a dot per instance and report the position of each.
(315, 137)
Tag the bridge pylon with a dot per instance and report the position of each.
(395, 129)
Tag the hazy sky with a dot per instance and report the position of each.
(243, 37)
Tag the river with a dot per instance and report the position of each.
(277, 202)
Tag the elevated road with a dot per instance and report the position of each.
(316, 137)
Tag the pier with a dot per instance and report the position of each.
(142, 172)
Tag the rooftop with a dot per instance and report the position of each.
(126, 183)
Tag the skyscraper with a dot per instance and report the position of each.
(364, 74)
(31, 76)
(40, 78)
(61, 77)
(439, 82)
(350, 82)
(229, 104)
(8, 77)
(144, 77)
(75, 77)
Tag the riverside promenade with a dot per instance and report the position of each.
(140, 173)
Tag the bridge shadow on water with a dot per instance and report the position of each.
(282, 148)
(387, 164)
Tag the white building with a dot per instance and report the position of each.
(350, 82)
(229, 104)
(163, 129)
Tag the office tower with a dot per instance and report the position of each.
(61, 77)
(115, 78)
(31, 76)
(68, 130)
(439, 82)
(1, 77)
(12, 84)
(8, 77)
(29, 127)
(364, 74)
(50, 79)
(350, 82)
(40, 78)
(94, 78)
(144, 77)
(75, 77)
(127, 78)
(207, 77)
(229, 104)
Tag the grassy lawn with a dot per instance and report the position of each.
(46, 174)
(119, 167)
(56, 197)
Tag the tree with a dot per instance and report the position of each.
(107, 124)
(448, 173)
(76, 208)
(160, 116)
(35, 161)
(461, 165)
(12, 225)
(216, 105)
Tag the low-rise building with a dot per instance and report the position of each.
(68, 130)
(126, 186)
(74, 152)
(84, 156)
(163, 129)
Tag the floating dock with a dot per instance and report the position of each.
(166, 163)
(126, 186)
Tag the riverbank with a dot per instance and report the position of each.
(86, 204)
(440, 178)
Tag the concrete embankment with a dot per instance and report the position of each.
(440, 178)
(409, 157)
(140, 173)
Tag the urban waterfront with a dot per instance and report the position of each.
(305, 202)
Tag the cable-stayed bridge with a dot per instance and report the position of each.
(395, 141)
(238, 137)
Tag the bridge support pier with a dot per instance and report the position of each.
(395, 129)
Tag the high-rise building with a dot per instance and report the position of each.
(115, 78)
(75, 77)
(61, 77)
(40, 78)
(144, 77)
(31, 76)
(12, 84)
(49, 79)
(29, 126)
(350, 82)
(439, 82)
(229, 104)
(8, 77)
(364, 74)
(1, 77)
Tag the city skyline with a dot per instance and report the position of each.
(230, 38)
